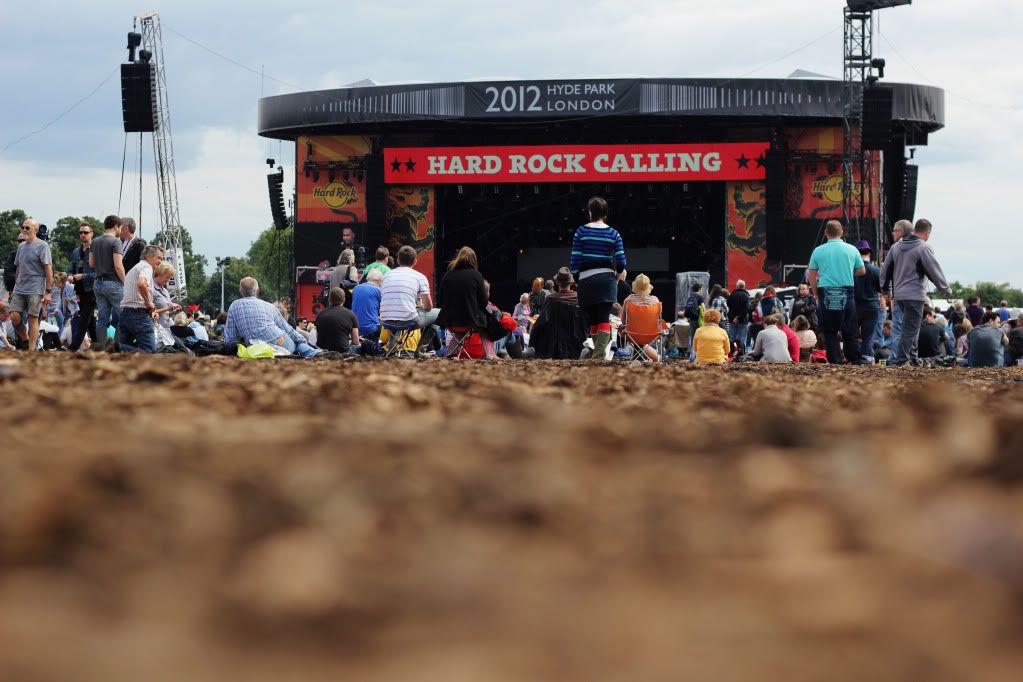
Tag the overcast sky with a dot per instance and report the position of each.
(56, 53)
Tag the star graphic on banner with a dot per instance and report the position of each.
(760, 161)
(410, 165)
(742, 161)
(396, 166)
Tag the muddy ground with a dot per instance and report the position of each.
(166, 519)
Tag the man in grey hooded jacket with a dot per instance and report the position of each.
(908, 263)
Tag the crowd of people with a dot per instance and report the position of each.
(848, 309)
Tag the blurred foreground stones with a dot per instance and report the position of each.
(167, 519)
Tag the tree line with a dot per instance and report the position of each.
(267, 259)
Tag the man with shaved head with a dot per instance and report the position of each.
(32, 283)
(250, 319)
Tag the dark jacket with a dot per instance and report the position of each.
(10, 270)
(80, 266)
(770, 305)
(462, 299)
(807, 307)
(868, 286)
(738, 306)
(560, 331)
(133, 255)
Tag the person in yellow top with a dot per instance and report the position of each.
(711, 341)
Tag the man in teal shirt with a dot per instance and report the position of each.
(831, 274)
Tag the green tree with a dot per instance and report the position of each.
(234, 271)
(10, 225)
(994, 293)
(195, 265)
(270, 258)
(960, 291)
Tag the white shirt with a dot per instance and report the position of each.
(132, 297)
(399, 293)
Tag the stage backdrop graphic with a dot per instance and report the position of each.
(814, 188)
(746, 234)
(410, 214)
(324, 200)
(576, 163)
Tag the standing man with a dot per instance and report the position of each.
(900, 230)
(805, 304)
(83, 278)
(833, 269)
(908, 263)
(868, 306)
(106, 261)
(138, 309)
(131, 246)
(738, 312)
(32, 283)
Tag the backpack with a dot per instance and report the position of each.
(692, 309)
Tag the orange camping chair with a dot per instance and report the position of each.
(642, 326)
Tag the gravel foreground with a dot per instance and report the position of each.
(171, 519)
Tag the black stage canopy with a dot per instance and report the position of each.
(288, 116)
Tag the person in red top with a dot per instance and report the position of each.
(793, 341)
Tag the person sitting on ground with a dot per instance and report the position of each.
(218, 328)
(561, 329)
(7, 334)
(710, 342)
(382, 255)
(522, 313)
(807, 338)
(499, 339)
(251, 319)
(792, 339)
(677, 342)
(772, 344)
(198, 330)
(931, 343)
(366, 304)
(987, 342)
(405, 298)
(1014, 352)
(956, 314)
(462, 297)
(166, 308)
(337, 327)
(962, 344)
(538, 296)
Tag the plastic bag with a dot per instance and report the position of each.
(259, 349)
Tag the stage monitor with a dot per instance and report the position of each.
(871, 5)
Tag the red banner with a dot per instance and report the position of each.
(576, 163)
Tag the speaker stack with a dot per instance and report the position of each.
(138, 97)
(877, 117)
(775, 167)
(909, 191)
(275, 184)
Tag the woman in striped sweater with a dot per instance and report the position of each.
(597, 255)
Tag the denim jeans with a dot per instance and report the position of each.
(108, 302)
(737, 333)
(911, 318)
(896, 333)
(836, 313)
(304, 349)
(136, 331)
(867, 312)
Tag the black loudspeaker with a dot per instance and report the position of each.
(877, 117)
(775, 167)
(138, 97)
(275, 183)
(909, 191)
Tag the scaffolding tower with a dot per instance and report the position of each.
(148, 24)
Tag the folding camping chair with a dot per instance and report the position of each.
(642, 326)
(456, 347)
(399, 337)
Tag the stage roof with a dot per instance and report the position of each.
(352, 109)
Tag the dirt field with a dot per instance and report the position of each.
(167, 519)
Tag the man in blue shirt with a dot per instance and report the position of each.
(833, 269)
(366, 304)
(252, 319)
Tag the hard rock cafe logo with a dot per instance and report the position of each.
(337, 194)
(829, 188)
